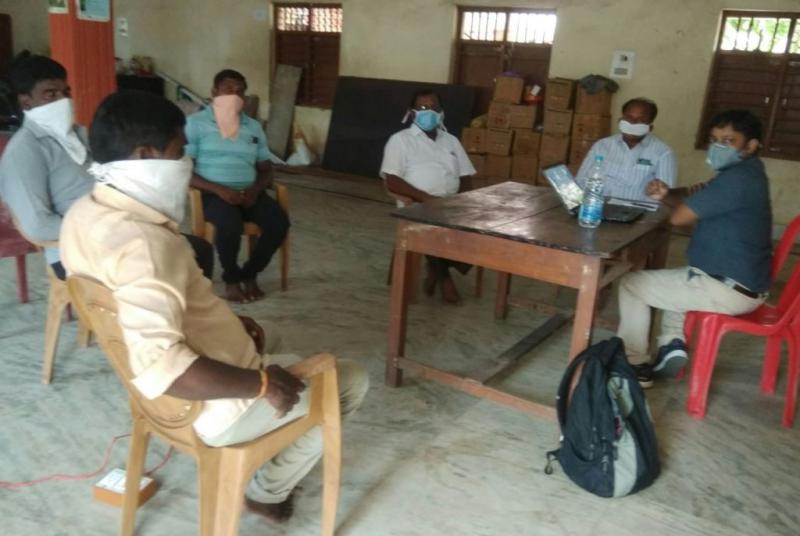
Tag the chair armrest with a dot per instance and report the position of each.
(281, 195)
(198, 218)
(312, 366)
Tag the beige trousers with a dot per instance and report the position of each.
(675, 291)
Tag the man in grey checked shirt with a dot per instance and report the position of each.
(634, 157)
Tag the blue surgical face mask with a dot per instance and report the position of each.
(427, 120)
(721, 156)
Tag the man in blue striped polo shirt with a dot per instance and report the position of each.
(233, 171)
(634, 157)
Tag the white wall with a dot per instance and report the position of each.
(28, 24)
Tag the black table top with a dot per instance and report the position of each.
(530, 214)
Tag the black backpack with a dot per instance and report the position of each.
(608, 444)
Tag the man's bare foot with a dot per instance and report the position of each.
(235, 294)
(252, 291)
(449, 291)
(277, 513)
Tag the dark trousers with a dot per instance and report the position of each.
(441, 266)
(229, 222)
(203, 254)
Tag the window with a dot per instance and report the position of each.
(307, 36)
(492, 40)
(757, 67)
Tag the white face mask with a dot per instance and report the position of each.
(158, 183)
(58, 119)
(633, 129)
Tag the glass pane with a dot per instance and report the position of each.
(326, 19)
(531, 28)
(794, 48)
(750, 34)
(483, 26)
(293, 19)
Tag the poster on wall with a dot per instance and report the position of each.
(58, 6)
(96, 10)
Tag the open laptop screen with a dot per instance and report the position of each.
(561, 180)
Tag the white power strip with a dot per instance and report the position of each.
(111, 488)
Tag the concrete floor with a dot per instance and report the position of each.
(420, 460)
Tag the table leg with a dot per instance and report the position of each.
(22, 279)
(397, 314)
(585, 309)
(501, 299)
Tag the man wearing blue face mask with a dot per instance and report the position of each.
(634, 157)
(729, 254)
(423, 162)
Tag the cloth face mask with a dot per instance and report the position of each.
(227, 112)
(633, 129)
(57, 118)
(721, 156)
(427, 120)
(158, 183)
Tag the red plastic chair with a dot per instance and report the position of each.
(12, 244)
(775, 322)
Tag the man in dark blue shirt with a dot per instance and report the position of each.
(730, 251)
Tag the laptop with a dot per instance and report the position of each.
(614, 210)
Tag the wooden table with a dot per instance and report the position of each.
(522, 230)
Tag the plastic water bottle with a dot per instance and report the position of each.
(591, 212)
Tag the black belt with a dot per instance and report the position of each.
(736, 286)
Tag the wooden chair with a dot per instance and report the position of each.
(205, 229)
(57, 303)
(416, 260)
(223, 473)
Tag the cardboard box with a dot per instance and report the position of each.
(590, 126)
(526, 142)
(554, 149)
(599, 103)
(499, 115)
(524, 168)
(498, 141)
(559, 94)
(522, 116)
(498, 168)
(557, 121)
(508, 89)
(479, 163)
(474, 140)
(578, 150)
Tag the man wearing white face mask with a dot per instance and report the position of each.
(43, 170)
(44, 167)
(634, 157)
(423, 162)
(729, 254)
(182, 340)
(233, 170)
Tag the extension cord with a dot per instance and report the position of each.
(111, 488)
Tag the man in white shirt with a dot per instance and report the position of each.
(183, 340)
(634, 157)
(423, 162)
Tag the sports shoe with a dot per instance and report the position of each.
(671, 359)
(644, 374)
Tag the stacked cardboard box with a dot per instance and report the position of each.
(508, 147)
(559, 97)
(592, 121)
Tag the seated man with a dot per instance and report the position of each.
(634, 157)
(233, 170)
(182, 339)
(423, 162)
(43, 169)
(729, 252)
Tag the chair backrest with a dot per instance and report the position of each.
(196, 209)
(98, 309)
(791, 291)
(12, 243)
